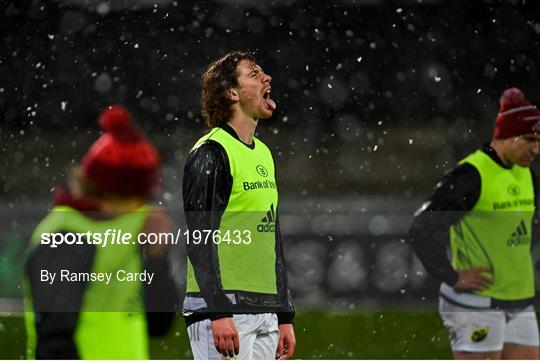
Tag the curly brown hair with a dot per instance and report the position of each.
(220, 76)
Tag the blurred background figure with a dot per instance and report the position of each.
(79, 316)
(486, 207)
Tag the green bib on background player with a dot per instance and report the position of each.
(112, 320)
(496, 233)
(251, 209)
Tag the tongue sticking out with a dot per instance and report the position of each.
(271, 104)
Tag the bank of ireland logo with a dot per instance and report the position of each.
(262, 170)
(514, 190)
(268, 222)
(479, 334)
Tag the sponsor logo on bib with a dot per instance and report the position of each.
(514, 190)
(262, 170)
(268, 222)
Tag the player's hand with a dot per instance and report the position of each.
(226, 337)
(157, 222)
(287, 342)
(473, 279)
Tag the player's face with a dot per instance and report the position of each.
(254, 90)
(523, 149)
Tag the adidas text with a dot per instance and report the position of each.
(266, 228)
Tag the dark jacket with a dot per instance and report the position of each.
(207, 186)
(453, 197)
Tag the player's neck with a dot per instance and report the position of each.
(120, 205)
(244, 127)
(499, 149)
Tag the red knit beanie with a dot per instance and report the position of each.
(517, 116)
(122, 161)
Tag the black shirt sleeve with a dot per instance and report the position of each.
(454, 196)
(57, 305)
(287, 315)
(288, 312)
(159, 296)
(207, 186)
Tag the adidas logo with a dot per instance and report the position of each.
(268, 223)
(519, 236)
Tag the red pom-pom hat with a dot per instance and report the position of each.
(122, 161)
(517, 116)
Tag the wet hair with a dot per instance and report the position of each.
(220, 76)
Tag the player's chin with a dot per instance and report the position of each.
(525, 162)
(266, 113)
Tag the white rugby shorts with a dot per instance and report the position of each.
(487, 330)
(259, 335)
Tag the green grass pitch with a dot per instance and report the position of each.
(320, 335)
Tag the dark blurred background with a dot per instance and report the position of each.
(376, 100)
(373, 96)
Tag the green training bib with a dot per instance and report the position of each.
(246, 263)
(120, 333)
(496, 233)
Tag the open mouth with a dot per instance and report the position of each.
(266, 96)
